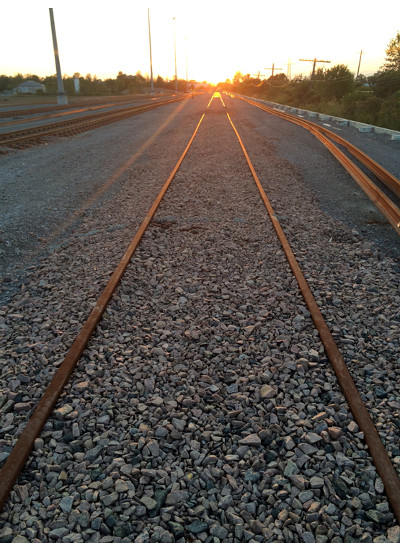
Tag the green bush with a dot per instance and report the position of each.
(361, 106)
(389, 115)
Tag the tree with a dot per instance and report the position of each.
(140, 78)
(237, 78)
(51, 84)
(5, 81)
(385, 82)
(278, 80)
(393, 54)
(32, 77)
(339, 81)
(362, 80)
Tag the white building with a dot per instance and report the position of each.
(30, 87)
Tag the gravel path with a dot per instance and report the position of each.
(204, 408)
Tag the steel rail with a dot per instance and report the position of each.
(379, 198)
(79, 123)
(88, 118)
(22, 449)
(15, 135)
(23, 112)
(385, 205)
(381, 173)
(360, 413)
(61, 113)
(72, 109)
(45, 109)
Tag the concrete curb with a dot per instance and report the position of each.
(361, 127)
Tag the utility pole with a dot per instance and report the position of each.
(314, 61)
(289, 69)
(359, 63)
(273, 69)
(176, 73)
(151, 61)
(62, 98)
(186, 65)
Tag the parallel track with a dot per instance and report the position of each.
(24, 445)
(46, 109)
(386, 206)
(31, 136)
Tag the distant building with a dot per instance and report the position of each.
(30, 87)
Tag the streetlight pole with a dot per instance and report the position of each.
(186, 67)
(62, 98)
(151, 61)
(176, 73)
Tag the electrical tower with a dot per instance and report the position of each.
(314, 61)
(289, 69)
(273, 69)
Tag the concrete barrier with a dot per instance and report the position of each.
(361, 127)
(393, 133)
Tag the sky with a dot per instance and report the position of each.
(213, 40)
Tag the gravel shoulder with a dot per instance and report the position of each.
(47, 191)
(204, 408)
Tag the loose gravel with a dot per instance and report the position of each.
(204, 408)
(336, 192)
(47, 191)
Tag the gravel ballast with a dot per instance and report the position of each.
(204, 408)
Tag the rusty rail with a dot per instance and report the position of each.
(45, 109)
(87, 122)
(24, 445)
(385, 205)
(22, 449)
(360, 413)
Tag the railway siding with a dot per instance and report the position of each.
(204, 405)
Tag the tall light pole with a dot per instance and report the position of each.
(62, 98)
(186, 67)
(151, 61)
(176, 73)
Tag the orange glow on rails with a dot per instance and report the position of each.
(215, 95)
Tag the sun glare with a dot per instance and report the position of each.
(215, 95)
(212, 41)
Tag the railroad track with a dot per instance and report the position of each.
(383, 202)
(62, 113)
(35, 135)
(48, 109)
(23, 447)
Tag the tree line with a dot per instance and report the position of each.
(92, 85)
(335, 91)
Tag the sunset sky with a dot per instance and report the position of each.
(217, 38)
